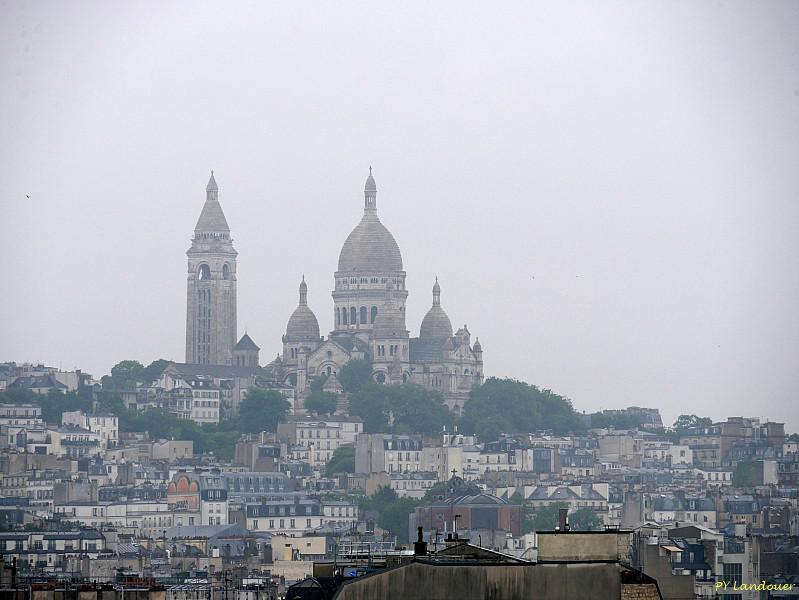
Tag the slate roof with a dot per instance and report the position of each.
(349, 342)
(212, 219)
(246, 343)
(37, 381)
(206, 531)
(216, 371)
(426, 350)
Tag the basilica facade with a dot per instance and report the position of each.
(369, 297)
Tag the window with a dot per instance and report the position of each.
(732, 572)
(374, 314)
(353, 316)
(255, 524)
(363, 314)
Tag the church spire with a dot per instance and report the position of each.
(436, 293)
(370, 195)
(303, 292)
(212, 220)
(212, 187)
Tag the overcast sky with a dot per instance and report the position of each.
(608, 192)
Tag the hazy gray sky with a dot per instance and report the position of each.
(608, 192)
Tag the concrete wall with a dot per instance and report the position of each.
(575, 546)
(489, 582)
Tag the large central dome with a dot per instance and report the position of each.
(370, 247)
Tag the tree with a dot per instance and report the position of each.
(545, 518)
(262, 410)
(124, 375)
(342, 461)
(152, 371)
(18, 395)
(510, 406)
(321, 403)
(615, 420)
(161, 424)
(683, 422)
(55, 402)
(584, 519)
(355, 374)
(748, 473)
(110, 402)
(392, 511)
(318, 382)
(405, 408)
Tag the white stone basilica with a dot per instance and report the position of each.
(368, 314)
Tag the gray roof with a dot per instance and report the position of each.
(212, 218)
(246, 343)
(206, 531)
(216, 371)
(426, 350)
(349, 341)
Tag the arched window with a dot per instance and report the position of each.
(374, 313)
(338, 317)
(353, 315)
(380, 377)
(343, 316)
(225, 271)
(363, 314)
(329, 371)
(204, 273)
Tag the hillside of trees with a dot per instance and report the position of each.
(497, 406)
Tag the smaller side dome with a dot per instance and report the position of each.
(303, 324)
(436, 323)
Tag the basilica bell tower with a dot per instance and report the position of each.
(211, 287)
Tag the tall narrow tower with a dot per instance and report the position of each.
(211, 299)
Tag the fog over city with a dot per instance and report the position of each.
(607, 193)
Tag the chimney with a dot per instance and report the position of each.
(563, 521)
(420, 546)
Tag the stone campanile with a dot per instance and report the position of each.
(211, 297)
